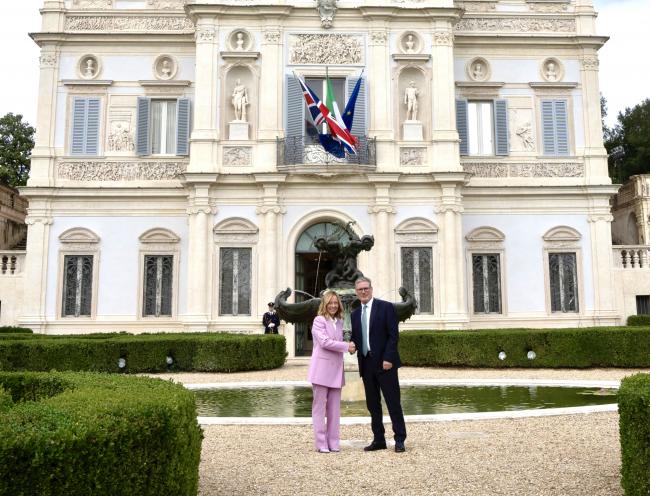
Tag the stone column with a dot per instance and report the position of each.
(200, 213)
(445, 150)
(39, 222)
(382, 253)
(205, 133)
(453, 291)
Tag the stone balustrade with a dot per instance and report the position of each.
(631, 256)
(11, 263)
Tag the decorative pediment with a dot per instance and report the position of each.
(236, 230)
(78, 235)
(416, 230)
(485, 234)
(159, 235)
(562, 234)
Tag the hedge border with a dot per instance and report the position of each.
(81, 433)
(634, 428)
(638, 320)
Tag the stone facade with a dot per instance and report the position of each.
(154, 151)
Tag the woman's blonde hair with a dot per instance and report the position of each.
(325, 299)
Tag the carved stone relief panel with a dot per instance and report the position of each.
(549, 7)
(165, 67)
(522, 135)
(128, 23)
(334, 49)
(484, 6)
(121, 126)
(92, 4)
(237, 156)
(119, 171)
(409, 156)
(532, 169)
(516, 25)
(88, 67)
(166, 4)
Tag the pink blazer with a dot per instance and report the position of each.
(326, 366)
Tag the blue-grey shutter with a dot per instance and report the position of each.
(561, 128)
(295, 108)
(501, 127)
(92, 127)
(461, 125)
(359, 127)
(183, 127)
(79, 106)
(143, 138)
(548, 127)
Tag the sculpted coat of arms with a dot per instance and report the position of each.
(326, 10)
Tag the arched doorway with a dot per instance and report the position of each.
(311, 267)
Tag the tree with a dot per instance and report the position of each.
(16, 143)
(632, 133)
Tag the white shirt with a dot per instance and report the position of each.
(368, 306)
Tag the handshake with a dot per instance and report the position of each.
(352, 348)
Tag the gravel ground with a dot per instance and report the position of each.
(555, 456)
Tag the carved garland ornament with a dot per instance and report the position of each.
(379, 37)
(501, 170)
(325, 49)
(128, 23)
(517, 24)
(272, 36)
(119, 171)
(47, 60)
(590, 63)
(204, 34)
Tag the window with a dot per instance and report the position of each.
(643, 305)
(482, 127)
(85, 126)
(158, 289)
(486, 283)
(163, 127)
(77, 285)
(319, 85)
(555, 132)
(235, 281)
(564, 282)
(417, 276)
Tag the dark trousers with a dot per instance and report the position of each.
(376, 380)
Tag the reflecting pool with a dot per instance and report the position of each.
(295, 401)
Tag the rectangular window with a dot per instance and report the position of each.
(85, 126)
(643, 305)
(417, 276)
(486, 283)
(563, 275)
(555, 132)
(77, 285)
(158, 275)
(163, 127)
(483, 127)
(480, 123)
(235, 281)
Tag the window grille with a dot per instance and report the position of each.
(235, 281)
(158, 276)
(417, 276)
(486, 277)
(77, 285)
(564, 282)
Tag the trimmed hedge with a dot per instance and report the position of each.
(573, 348)
(15, 330)
(634, 426)
(79, 434)
(5, 400)
(207, 352)
(638, 320)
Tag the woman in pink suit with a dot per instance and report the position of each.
(326, 372)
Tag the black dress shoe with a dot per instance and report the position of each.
(375, 445)
(399, 447)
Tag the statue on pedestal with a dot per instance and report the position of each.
(240, 101)
(411, 101)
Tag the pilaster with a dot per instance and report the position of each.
(602, 261)
(382, 254)
(379, 76)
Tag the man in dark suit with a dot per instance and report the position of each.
(375, 335)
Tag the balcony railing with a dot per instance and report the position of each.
(11, 262)
(631, 256)
(295, 151)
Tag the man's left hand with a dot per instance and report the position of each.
(387, 365)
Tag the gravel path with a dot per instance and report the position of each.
(554, 456)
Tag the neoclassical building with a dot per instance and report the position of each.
(177, 184)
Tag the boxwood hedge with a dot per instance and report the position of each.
(634, 426)
(638, 320)
(207, 352)
(100, 434)
(574, 348)
(15, 330)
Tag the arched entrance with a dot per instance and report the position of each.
(311, 267)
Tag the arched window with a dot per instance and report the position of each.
(159, 258)
(563, 269)
(485, 246)
(78, 259)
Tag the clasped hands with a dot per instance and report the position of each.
(352, 350)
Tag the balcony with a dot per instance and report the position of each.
(11, 263)
(300, 154)
(631, 256)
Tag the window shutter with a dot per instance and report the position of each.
(461, 125)
(183, 127)
(359, 127)
(295, 109)
(548, 126)
(561, 128)
(143, 139)
(501, 127)
(79, 106)
(92, 127)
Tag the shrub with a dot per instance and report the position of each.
(634, 425)
(81, 433)
(15, 330)
(207, 352)
(575, 348)
(638, 320)
(5, 400)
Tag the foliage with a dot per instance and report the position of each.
(16, 143)
(554, 348)
(100, 434)
(5, 400)
(207, 352)
(12, 329)
(638, 320)
(632, 132)
(634, 428)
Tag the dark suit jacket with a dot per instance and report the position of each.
(384, 334)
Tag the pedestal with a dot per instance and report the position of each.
(238, 131)
(413, 131)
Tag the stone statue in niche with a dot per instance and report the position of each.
(239, 41)
(326, 10)
(411, 101)
(410, 44)
(166, 69)
(90, 68)
(240, 101)
(478, 71)
(550, 72)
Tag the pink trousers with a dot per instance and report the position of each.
(327, 403)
